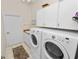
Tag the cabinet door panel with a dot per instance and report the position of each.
(47, 17)
(51, 15)
(67, 10)
(40, 18)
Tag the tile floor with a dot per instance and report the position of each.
(9, 51)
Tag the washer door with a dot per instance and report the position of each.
(34, 40)
(55, 51)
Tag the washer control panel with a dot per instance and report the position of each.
(61, 39)
(67, 40)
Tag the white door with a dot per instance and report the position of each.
(12, 28)
(67, 10)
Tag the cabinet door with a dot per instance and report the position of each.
(51, 15)
(12, 28)
(67, 10)
(40, 17)
(47, 17)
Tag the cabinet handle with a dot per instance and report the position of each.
(75, 19)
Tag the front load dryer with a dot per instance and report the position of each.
(58, 45)
(35, 43)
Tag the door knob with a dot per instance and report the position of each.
(8, 32)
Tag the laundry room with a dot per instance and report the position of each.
(39, 29)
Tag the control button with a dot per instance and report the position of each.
(37, 31)
(53, 37)
(62, 40)
(67, 38)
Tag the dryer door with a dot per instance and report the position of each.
(34, 40)
(54, 51)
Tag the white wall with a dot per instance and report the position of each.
(15, 7)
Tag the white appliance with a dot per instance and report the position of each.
(58, 15)
(59, 44)
(26, 38)
(35, 43)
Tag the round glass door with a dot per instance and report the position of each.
(34, 39)
(53, 51)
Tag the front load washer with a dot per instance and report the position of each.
(58, 45)
(35, 43)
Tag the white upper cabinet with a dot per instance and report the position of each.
(67, 9)
(47, 17)
(58, 15)
(51, 15)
